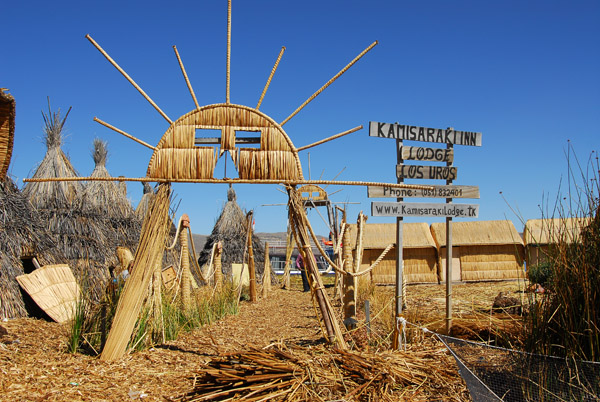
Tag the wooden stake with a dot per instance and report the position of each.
(349, 282)
(251, 268)
(186, 279)
(218, 270)
(266, 281)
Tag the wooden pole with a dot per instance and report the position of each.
(218, 275)
(186, 275)
(270, 77)
(449, 260)
(333, 137)
(251, 268)
(266, 281)
(335, 77)
(131, 137)
(187, 80)
(131, 81)
(399, 260)
(289, 249)
(227, 95)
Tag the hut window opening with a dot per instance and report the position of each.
(249, 139)
(30, 264)
(205, 136)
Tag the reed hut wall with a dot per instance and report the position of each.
(231, 230)
(7, 130)
(419, 252)
(482, 250)
(22, 236)
(540, 235)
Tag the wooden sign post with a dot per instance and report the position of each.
(400, 209)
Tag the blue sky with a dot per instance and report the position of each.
(525, 74)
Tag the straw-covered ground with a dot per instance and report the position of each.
(280, 332)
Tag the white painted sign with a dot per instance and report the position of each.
(434, 192)
(424, 134)
(426, 172)
(424, 209)
(427, 154)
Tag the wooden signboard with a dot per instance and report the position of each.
(426, 172)
(424, 134)
(424, 209)
(427, 154)
(435, 192)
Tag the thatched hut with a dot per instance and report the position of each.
(419, 252)
(481, 250)
(22, 238)
(80, 237)
(106, 202)
(7, 130)
(539, 235)
(22, 234)
(231, 230)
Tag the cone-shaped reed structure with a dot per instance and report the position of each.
(79, 236)
(231, 230)
(108, 205)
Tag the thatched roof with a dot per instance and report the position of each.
(54, 195)
(22, 234)
(7, 130)
(144, 204)
(78, 234)
(230, 229)
(380, 235)
(477, 233)
(106, 202)
(547, 231)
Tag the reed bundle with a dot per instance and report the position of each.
(231, 230)
(148, 255)
(299, 227)
(257, 164)
(281, 373)
(175, 163)
(7, 130)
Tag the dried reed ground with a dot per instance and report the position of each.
(35, 367)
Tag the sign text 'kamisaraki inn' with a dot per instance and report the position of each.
(425, 134)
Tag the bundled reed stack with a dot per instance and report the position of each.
(149, 253)
(80, 238)
(300, 228)
(231, 230)
(7, 130)
(105, 202)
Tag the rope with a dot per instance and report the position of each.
(176, 234)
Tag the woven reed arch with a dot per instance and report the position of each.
(180, 154)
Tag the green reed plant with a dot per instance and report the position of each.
(565, 321)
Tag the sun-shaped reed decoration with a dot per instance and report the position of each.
(181, 156)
